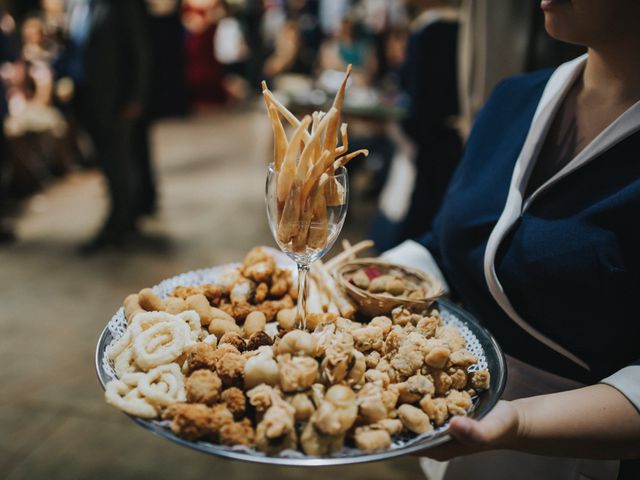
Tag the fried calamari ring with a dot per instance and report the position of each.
(128, 399)
(163, 385)
(119, 345)
(179, 336)
(125, 363)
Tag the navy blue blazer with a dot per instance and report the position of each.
(570, 266)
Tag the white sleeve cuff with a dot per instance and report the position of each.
(627, 381)
(412, 254)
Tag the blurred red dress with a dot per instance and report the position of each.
(203, 73)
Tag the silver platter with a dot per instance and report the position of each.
(485, 347)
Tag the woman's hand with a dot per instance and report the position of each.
(591, 422)
(499, 429)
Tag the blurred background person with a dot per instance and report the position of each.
(203, 72)
(429, 143)
(166, 34)
(35, 129)
(349, 46)
(109, 62)
(230, 49)
(7, 55)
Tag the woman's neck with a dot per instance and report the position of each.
(612, 74)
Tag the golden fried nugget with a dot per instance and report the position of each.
(241, 310)
(414, 419)
(173, 409)
(442, 381)
(261, 293)
(437, 357)
(201, 355)
(280, 283)
(132, 307)
(259, 339)
(200, 305)
(183, 292)
(369, 440)
(194, 421)
(436, 408)
(235, 401)
(238, 433)
(220, 416)
(462, 358)
(149, 301)
(270, 308)
(230, 368)
(220, 326)
(213, 293)
(458, 378)
(286, 319)
(480, 380)
(458, 403)
(174, 305)
(233, 338)
(203, 386)
(255, 322)
(226, 307)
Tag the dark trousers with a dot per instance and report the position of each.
(122, 150)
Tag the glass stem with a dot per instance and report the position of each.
(303, 272)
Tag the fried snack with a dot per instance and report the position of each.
(337, 357)
(259, 339)
(297, 342)
(238, 433)
(230, 368)
(286, 319)
(203, 386)
(436, 408)
(296, 373)
(458, 402)
(128, 399)
(414, 388)
(261, 368)
(371, 406)
(306, 165)
(480, 380)
(337, 412)
(163, 385)
(132, 306)
(314, 442)
(372, 440)
(200, 356)
(234, 339)
(303, 406)
(414, 419)
(276, 432)
(235, 401)
(195, 421)
(255, 322)
(347, 379)
(219, 326)
(149, 301)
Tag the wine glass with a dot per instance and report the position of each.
(316, 235)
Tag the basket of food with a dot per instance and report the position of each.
(377, 286)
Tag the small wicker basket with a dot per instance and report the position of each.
(374, 304)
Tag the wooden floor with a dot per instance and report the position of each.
(54, 423)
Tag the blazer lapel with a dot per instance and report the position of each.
(557, 87)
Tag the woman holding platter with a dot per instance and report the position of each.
(538, 237)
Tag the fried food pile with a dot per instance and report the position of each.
(306, 166)
(225, 363)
